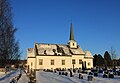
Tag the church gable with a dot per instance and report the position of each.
(30, 52)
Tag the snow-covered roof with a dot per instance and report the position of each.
(30, 50)
(88, 54)
(77, 51)
(57, 49)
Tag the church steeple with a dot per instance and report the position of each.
(71, 32)
(72, 43)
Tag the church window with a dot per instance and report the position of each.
(73, 44)
(73, 61)
(80, 61)
(63, 62)
(52, 62)
(40, 61)
(88, 64)
(45, 52)
(31, 64)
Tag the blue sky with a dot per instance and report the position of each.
(96, 23)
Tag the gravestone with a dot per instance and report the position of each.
(66, 73)
(90, 73)
(62, 73)
(78, 71)
(59, 73)
(80, 76)
(70, 73)
(90, 78)
(95, 74)
(111, 75)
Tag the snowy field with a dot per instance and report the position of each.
(50, 77)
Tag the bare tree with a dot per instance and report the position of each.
(9, 47)
(113, 53)
(113, 56)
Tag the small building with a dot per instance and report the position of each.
(52, 56)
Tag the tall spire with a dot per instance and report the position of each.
(71, 32)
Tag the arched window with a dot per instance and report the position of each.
(73, 44)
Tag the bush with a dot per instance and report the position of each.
(118, 73)
(95, 74)
(100, 71)
(104, 75)
(111, 76)
(90, 73)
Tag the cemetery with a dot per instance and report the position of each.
(77, 75)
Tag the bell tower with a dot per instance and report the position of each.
(72, 43)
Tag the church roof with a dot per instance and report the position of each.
(88, 54)
(30, 50)
(57, 49)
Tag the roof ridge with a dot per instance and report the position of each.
(51, 44)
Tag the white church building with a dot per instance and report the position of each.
(52, 56)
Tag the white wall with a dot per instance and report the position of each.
(77, 57)
(57, 62)
(89, 61)
(31, 63)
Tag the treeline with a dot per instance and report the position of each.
(106, 61)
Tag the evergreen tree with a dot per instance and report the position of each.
(9, 47)
(107, 59)
(100, 60)
(95, 60)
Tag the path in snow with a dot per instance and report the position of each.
(50, 77)
(24, 78)
(8, 77)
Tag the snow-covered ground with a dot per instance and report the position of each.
(50, 77)
(6, 78)
(2, 74)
